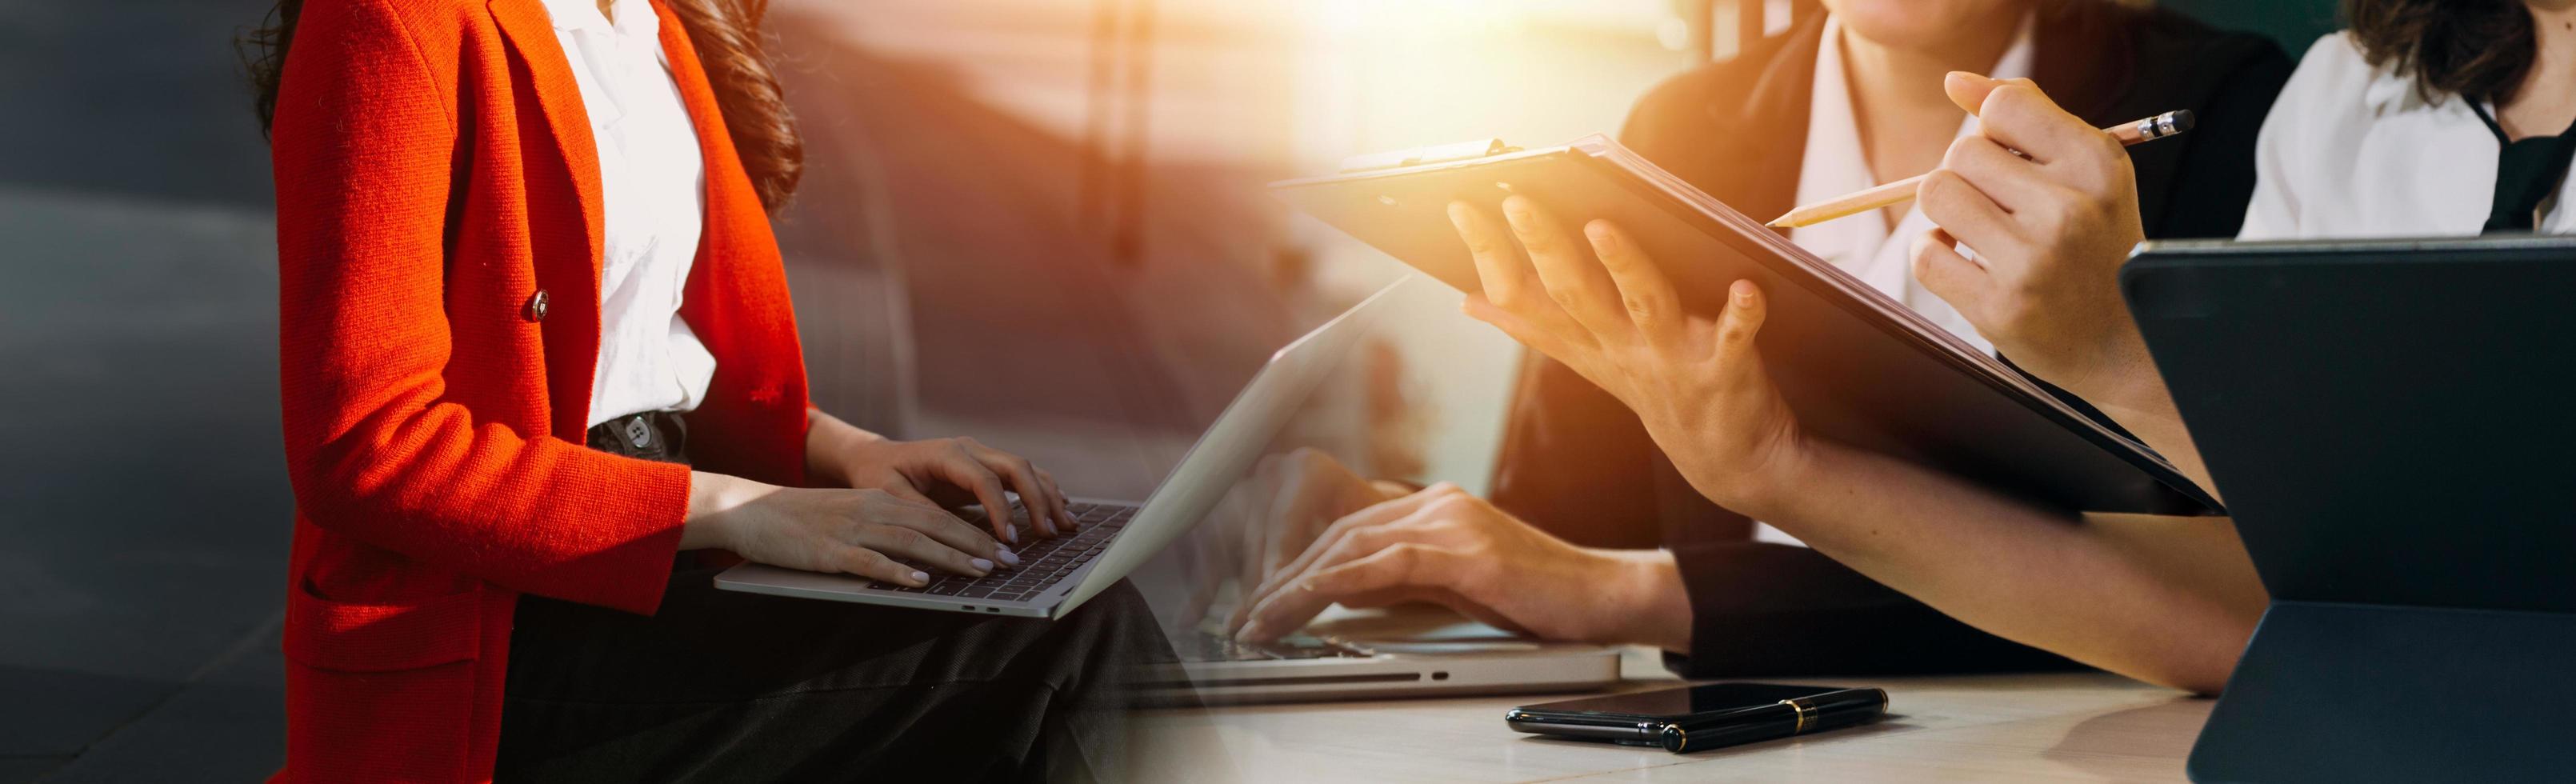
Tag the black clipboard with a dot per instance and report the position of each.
(1856, 365)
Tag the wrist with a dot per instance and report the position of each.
(1652, 604)
(712, 500)
(2117, 373)
(1777, 481)
(2136, 391)
(830, 445)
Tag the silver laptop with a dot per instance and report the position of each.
(1408, 651)
(1057, 575)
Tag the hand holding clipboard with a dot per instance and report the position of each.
(1660, 278)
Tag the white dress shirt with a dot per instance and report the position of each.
(652, 183)
(1836, 163)
(2352, 151)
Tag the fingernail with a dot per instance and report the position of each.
(1246, 633)
(981, 564)
(921, 577)
(1007, 557)
(1011, 533)
(1743, 295)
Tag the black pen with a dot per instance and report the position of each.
(1777, 720)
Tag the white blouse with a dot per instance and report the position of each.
(1836, 163)
(2351, 151)
(652, 183)
(1864, 245)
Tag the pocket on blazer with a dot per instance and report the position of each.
(366, 637)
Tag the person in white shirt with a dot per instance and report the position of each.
(2425, 118)
(1617, 545)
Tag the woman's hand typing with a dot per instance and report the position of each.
(937, 471)
(855, 532)
(1445, 546)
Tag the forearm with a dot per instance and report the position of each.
(2168, 605)
(2147, 409)
(714, 500)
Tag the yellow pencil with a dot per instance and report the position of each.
(2149, 129)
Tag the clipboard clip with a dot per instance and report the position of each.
(1417, 156)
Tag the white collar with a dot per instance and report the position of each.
(2388, 92)
(1834, 163)
(634, 17)
(1831, 95)
(1833, 147)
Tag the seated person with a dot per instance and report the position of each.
(1849, 97)
(2424, 118)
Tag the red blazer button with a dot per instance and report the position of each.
(537, 306)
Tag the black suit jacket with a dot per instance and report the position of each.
(1578, 463)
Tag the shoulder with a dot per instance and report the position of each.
(1688, 97)
(2335, 72)
(426, 28)
(2189, 59)
(2337, 55)
(352, 58)
(398, 15)
(2161, 33)
(2117, 62)
(1748, 87)
(2335, 91)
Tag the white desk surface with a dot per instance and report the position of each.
(2046, 727)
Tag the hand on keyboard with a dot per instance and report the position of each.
(948, 471)
(867, 533)
(1043, 564)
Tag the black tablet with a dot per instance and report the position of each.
(2393, 425)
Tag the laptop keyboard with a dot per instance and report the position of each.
(1043, 563)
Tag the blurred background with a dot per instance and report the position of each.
(1038, 222)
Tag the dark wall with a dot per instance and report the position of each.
(131, 98)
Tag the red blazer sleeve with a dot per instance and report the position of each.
(377, 446)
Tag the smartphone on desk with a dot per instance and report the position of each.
(1702, 717)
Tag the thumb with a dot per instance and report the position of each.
(1741, 322)
(1969, 90)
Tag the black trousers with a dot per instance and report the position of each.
(727, 686)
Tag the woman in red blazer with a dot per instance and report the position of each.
(441, 225)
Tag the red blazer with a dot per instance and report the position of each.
(438, 227)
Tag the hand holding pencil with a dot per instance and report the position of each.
(1857, 202)
(2049, 205)
(2143, 130)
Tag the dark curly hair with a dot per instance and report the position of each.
(2480, 49)
(727, 37)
